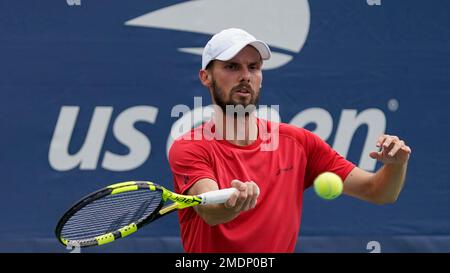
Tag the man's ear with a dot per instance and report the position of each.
(205, 77)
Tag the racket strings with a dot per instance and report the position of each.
(110, 213)
(105, 204)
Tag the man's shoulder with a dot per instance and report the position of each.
(287, 133)
(285, 129)
(193, 139)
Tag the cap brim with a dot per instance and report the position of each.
(229, 54)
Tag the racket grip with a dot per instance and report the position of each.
(217, 197)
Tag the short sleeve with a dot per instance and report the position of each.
(189, 162)
(323, 158)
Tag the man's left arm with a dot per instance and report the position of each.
(385, 185)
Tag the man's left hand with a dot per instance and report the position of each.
(393, 150)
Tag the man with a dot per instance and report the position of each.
(264, 215)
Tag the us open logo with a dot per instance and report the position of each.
(211, 16)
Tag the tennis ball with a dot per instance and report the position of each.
(328, 185)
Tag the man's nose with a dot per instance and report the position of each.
(245, 74)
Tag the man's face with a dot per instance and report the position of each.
(237, 81)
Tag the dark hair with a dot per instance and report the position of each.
(209, 65)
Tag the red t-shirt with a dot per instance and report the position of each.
(282, 173)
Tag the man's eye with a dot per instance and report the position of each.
(255, 67)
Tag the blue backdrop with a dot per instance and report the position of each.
(87, 89)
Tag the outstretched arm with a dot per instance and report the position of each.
(385, 185)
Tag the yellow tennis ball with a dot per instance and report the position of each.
(328, 185)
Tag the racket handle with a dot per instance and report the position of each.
(217, 197)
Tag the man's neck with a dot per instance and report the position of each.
(238, 130)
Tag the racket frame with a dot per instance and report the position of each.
(179, 202)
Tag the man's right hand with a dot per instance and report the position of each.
(246, 197)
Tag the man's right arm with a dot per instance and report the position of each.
(245, 199)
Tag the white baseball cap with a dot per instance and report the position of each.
(226, 44)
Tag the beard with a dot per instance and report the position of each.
(235, 104)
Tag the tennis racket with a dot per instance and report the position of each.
(121, 209)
